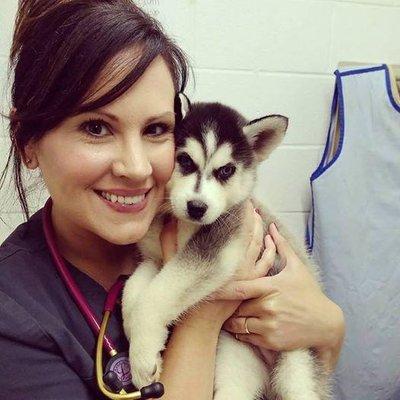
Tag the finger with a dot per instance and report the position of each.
(253, 251)
(238, 325)
(256, 340)
(261, 307)
(265, 263)
(282, 245)
(248, 216)
(270, 356)
(168, 238)
(244, 290)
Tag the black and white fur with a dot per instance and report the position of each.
(217, 152)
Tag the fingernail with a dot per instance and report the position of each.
(266, 240)
(275, 226)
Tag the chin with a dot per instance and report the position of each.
(125, 240)
(129, 234)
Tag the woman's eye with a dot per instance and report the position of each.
(158, 129)
(98, 128)
(225, 172)
(94, 127)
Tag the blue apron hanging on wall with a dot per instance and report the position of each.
(353, 231)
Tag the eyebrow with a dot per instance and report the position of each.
(148, 120)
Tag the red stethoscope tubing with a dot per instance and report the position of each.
(70, 283)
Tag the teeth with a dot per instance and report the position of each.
(122, 199)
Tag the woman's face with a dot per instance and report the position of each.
(128, 146)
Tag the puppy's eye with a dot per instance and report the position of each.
(225, 172)
(186, 163)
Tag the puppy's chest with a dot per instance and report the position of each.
(150, 245)
(208, 241)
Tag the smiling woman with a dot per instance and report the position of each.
(93, 109)
(126, 158)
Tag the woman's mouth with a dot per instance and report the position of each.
(124, 204)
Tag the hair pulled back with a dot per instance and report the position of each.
(59, 49)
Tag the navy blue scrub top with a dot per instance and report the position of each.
(47, 349)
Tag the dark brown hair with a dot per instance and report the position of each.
(59, 49)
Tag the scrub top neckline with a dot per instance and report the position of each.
(76, 271)
(395, 90)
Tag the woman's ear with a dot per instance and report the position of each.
(182, 105)
(265, 134)
(29, 156)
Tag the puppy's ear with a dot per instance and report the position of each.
(265, 134)
(182, 105)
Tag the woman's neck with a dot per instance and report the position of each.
(101, 260)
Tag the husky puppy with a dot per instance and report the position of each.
(217, 153)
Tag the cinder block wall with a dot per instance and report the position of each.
(262, 57)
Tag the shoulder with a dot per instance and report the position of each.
(24, 274)
(25, 263)
(28, 235)
(37, 314)
(30, 289)
(26, 241)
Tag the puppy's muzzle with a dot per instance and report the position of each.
(196, 209)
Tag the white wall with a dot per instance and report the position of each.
(262, 57)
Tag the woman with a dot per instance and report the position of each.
(93, 111)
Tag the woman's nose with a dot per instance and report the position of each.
(132, 161)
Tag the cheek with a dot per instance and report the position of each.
(67, 165)
(162, 158)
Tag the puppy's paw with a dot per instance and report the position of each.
(147, 340)
(145, 369)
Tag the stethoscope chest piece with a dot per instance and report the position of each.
(118, 372)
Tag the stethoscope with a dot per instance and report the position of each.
(115, 383)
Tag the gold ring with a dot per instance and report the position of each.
(245, 325)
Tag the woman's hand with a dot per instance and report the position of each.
(217, 311)
(287, 311)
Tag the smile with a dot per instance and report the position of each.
(123, 199)
(124, 204)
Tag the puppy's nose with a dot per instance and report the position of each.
(196, 209)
